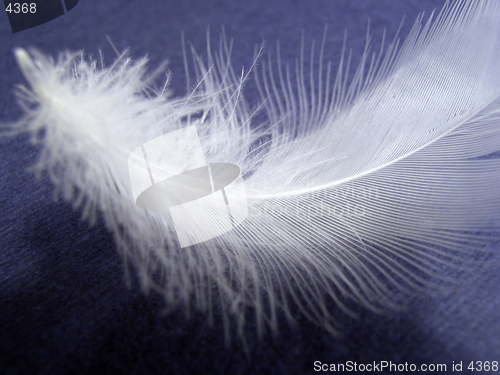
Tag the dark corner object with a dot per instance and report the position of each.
(30, 13)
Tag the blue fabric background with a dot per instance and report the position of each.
(64, 307)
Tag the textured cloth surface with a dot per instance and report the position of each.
(64, 307)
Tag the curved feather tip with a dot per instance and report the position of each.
(342, 193)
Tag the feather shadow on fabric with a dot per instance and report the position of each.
(355, 192)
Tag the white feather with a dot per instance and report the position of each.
(354, 192)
